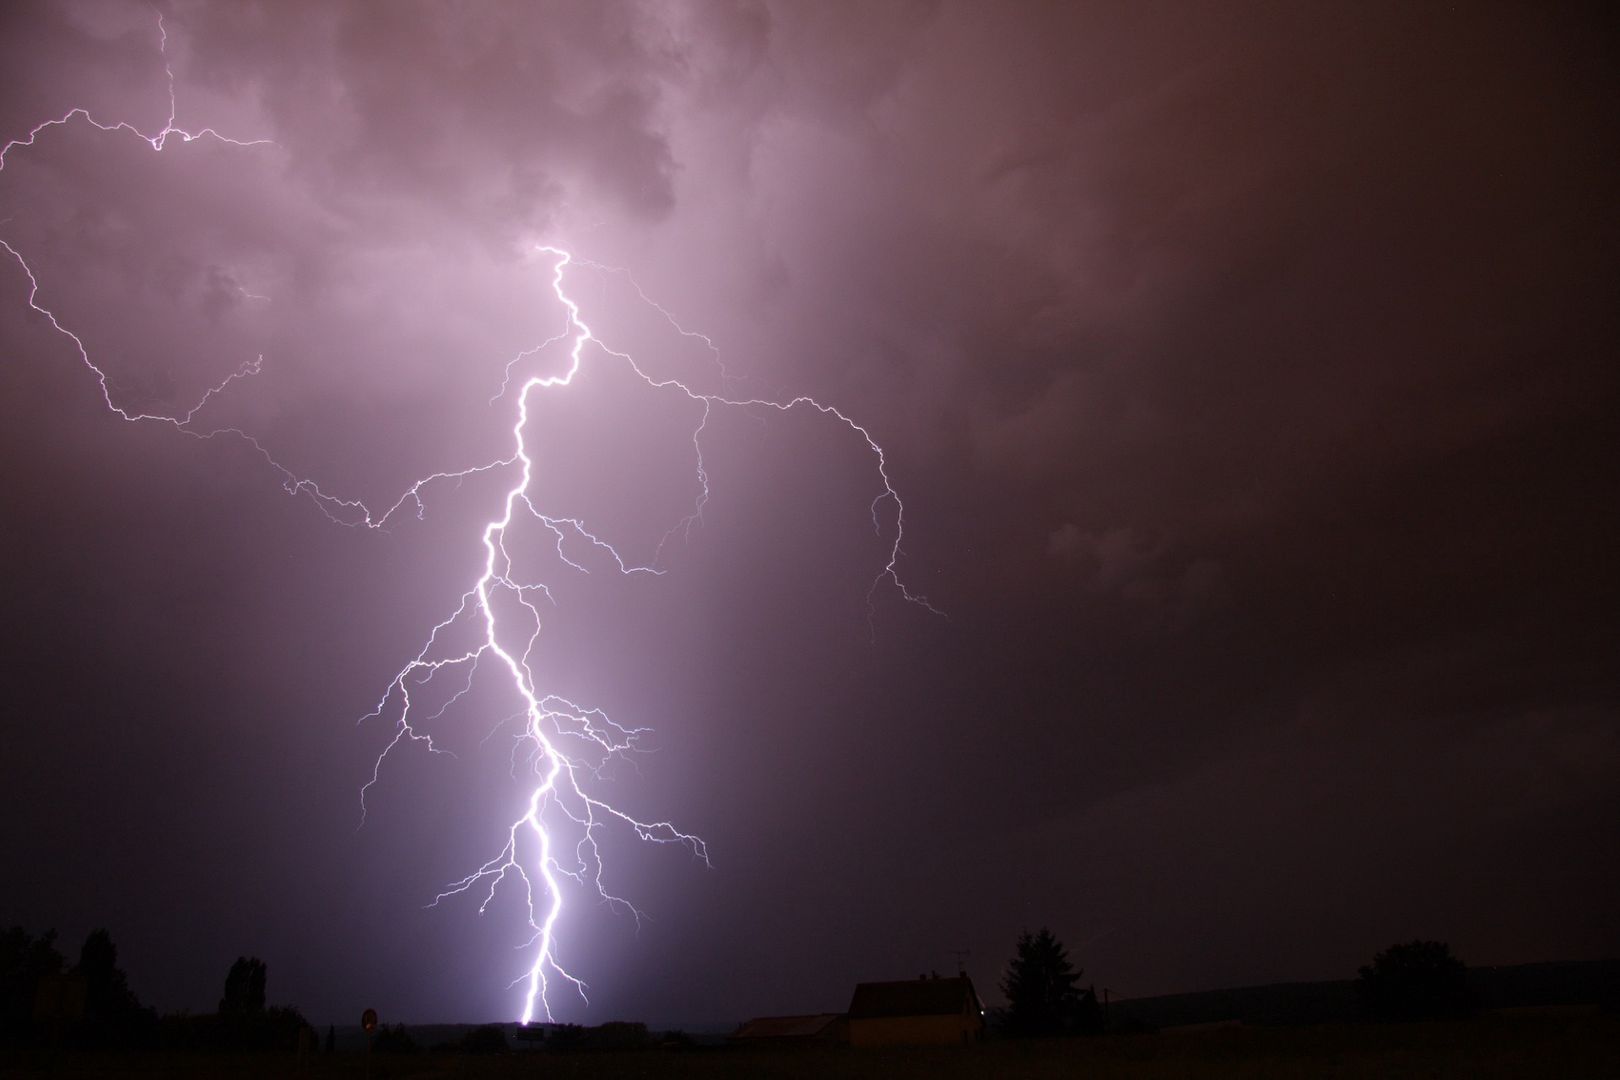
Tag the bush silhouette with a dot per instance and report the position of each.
(1419, 980)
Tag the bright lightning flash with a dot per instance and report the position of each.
(558, 833)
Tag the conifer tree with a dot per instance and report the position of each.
(1043, 997)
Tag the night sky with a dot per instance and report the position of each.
(1248, 371)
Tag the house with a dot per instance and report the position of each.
(923, 1010)
(821, 1027)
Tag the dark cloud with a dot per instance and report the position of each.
(486, 115)
(1246, 371)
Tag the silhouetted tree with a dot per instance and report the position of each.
(112, 1013)
(1043, 996)
(331, 1039)
(1420, 980)
(246, 1023)
(244, 988)
(107, 993)
(24, 961)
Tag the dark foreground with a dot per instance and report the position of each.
(1530, 1044)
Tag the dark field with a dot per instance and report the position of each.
(1555, 1044)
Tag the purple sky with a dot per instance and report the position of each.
(1247, 371)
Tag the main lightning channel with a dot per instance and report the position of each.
(558, 835)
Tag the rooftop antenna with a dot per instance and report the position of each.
(961, 959)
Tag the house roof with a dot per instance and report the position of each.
(914, 997)
(785, 1027)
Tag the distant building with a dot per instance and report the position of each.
(925, 1010)
(821, 1027)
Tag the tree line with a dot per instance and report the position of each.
(89, 1004)
(1416, 980)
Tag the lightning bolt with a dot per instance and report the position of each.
(555, 842)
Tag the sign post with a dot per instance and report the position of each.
(368, 1024)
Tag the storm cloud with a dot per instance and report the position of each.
(1247, 372)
